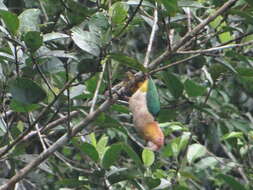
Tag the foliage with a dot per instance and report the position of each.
(61, 59)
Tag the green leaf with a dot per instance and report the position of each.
(250, 2)
(89, 66)
(29, 20)
(92, 83)
(189, 3)
(98, 22)
(233, 184)
(195, 151)
(183, 140)
(87, 41)
(121, 174)
(151, 182)
(77, 12)
(132, 154)
(148, 157)
(167, 150)
(70, 182)
(33, 40)
(193, 89)
(119, 12)
(111, 155)
(225, 37)
(167, 114)
(54, 36)
(233, 134)
(216, 70)
(128, 61)
(189, 175)
(153, 101)
(101, 145)
(180, 187)
(173, 83)
(21, 107)
(245, 72)
(93, 139)
(90, 150)
(208, 162)
(219, 26)
(76, 91)
(228, 64)
(10, 20)
(171, 6)
(99, 25)
(174, 126)
(176, 145)
(120, 108)
(26, 91)
(113, 152)
(169, 127)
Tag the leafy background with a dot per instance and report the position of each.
(60, 58)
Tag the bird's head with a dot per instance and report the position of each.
(154, 135)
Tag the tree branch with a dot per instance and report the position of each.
(94, 100)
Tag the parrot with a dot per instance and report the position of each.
(144, 105)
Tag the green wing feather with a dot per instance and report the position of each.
(153, 102)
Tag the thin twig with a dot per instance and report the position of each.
(209, 93)
(201, 51)
(44, 11)
(109, 65)
(70, 163)
(94, 100)
(59, 121)
(109, 74)
(42, 75)
(188, 14)
(66, 65)
(40, 137)
(50, 126)
(134, 139)
(16, 59)
(167, 31)
(237, 39)
(173, 64)
(151, 39)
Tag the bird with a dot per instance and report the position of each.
(144, 117)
